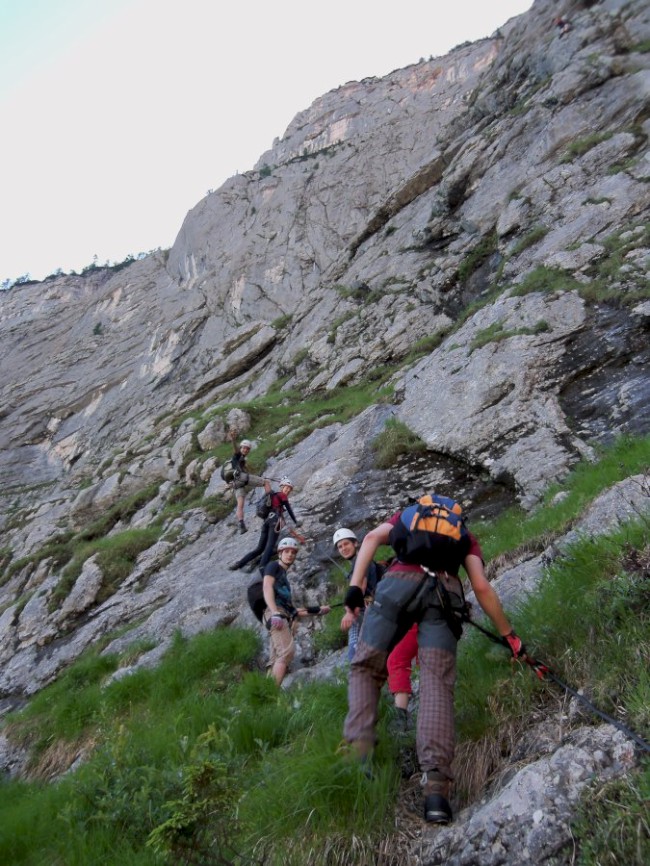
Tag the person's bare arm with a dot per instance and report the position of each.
(485, 594)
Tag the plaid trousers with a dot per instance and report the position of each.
(386, 622)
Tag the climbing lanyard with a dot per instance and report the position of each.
(544, 672)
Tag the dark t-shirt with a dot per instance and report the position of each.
(371, 575)
(239, 462)
(281, 587)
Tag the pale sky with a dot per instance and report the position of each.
(117, 116)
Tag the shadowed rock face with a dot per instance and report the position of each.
(476, 223)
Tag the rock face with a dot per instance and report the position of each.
(473, 229)
(387, 207)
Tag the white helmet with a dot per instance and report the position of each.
(246, 443)
(286, 480)
(342, 534)
(287, 543)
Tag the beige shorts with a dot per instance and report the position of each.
(283, 647)
(251, 482)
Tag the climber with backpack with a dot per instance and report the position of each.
(278, 503)
(236, 475)
(431, 543)
(270, 600)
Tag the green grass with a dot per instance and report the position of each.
(395, 439)
(116, 556)
(589, 622)
(424, 346)
(302, 416)
(545, 279)
(515, 528)
(581, 146)
(496, 333)
(531, 238)
(607, 274)
(477, 256)
(197, 742)
(613, 827)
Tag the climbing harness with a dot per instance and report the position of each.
(542, 671)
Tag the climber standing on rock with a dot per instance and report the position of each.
(272, 526)
(421, 586)
(280, 616)
(239, 479)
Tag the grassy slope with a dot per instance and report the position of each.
(204, 758)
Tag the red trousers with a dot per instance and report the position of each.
(401, 660)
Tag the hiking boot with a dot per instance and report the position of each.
(242, 527)
(234, 567)
(436, 791)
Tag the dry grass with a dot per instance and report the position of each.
(340, 849)
(57, 758)
(511, 558)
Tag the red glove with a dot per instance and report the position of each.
(515, 645)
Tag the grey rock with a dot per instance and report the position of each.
(213, 434)
(531, 813)
(84, 592)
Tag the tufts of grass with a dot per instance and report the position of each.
(395, 439)
(183, 758)
(589, 621)
(583, 145)
(495, 333)
(424, 346)
(59, 550)
(534, 236)
(476, 257)
(544, 279)
(116, 556)
(282, 322)
(614, 826)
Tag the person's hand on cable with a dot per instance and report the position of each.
(515, 645)
(354, 599)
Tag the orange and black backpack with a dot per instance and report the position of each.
(432, 533)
